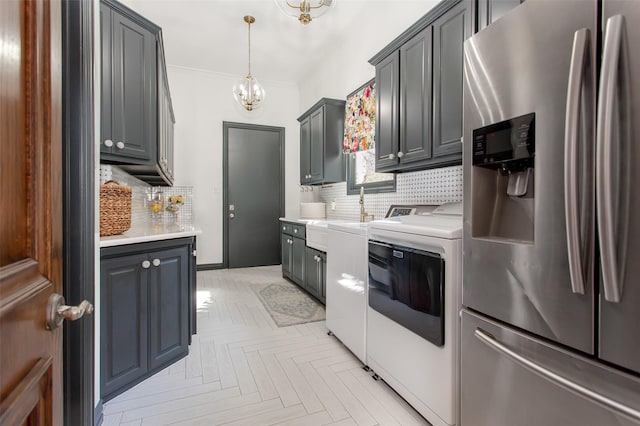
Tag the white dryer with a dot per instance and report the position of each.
(414, 298)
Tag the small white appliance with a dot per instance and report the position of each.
(414, 297)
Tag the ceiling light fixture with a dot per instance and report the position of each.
(248, 92)
(305, 10)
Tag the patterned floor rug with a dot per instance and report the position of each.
(287, 304)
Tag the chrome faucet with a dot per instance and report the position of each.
(363, 214)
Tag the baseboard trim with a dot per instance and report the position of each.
(98, 415)
(210, 266)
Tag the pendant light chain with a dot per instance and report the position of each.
(249, 48)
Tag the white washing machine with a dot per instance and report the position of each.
(414, 297)
(346, 297)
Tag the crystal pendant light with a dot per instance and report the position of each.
(248, 92)
(305, 10)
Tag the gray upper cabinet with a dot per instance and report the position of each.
(321, 136)
(387, 98)
(136, 113)
(305, 151)
(449, 33)
(415, 98)
(166, 121)
(419, 90)
(129, 122)
(490, 10)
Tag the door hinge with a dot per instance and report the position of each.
(194, 253)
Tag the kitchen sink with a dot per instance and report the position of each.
(317, 232)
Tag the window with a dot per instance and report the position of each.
(359, 143)
(361, 167)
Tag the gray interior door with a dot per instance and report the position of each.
(254, 194)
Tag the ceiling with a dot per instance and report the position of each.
(212, 35)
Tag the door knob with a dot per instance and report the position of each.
(146, 264)
(391, 156)
(57, 311)
(108, 143)
(156, 262)
(119, 145)
(400, 154)
(231, 215)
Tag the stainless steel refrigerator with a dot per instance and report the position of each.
(551, 282)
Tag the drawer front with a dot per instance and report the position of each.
(286, 228)
(299, 231)
(293, 229)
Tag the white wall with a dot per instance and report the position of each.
(346, 67)
(202, 100)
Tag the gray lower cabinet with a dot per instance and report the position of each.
(305, 266)
(147, 310)
(287, 255)
(298, 260)
(293, 260)
(293, 238)
(419, 92)
(321, 137)
(316, 273)
(490, 10)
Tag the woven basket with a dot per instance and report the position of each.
(115, 208)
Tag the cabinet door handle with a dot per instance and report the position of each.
(108, 143)
(391, 156)
(284, 228)
(156, 262)
(120, 145)
(400, 154)
(146, 264)
(295, 231)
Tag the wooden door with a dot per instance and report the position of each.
(30, 211)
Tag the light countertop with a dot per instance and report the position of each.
(297, 220)
(150, 232)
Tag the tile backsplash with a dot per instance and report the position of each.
(437, 186)
(141, 198)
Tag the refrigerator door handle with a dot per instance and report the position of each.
(556, 378)
(606, 166)
(579, 57)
